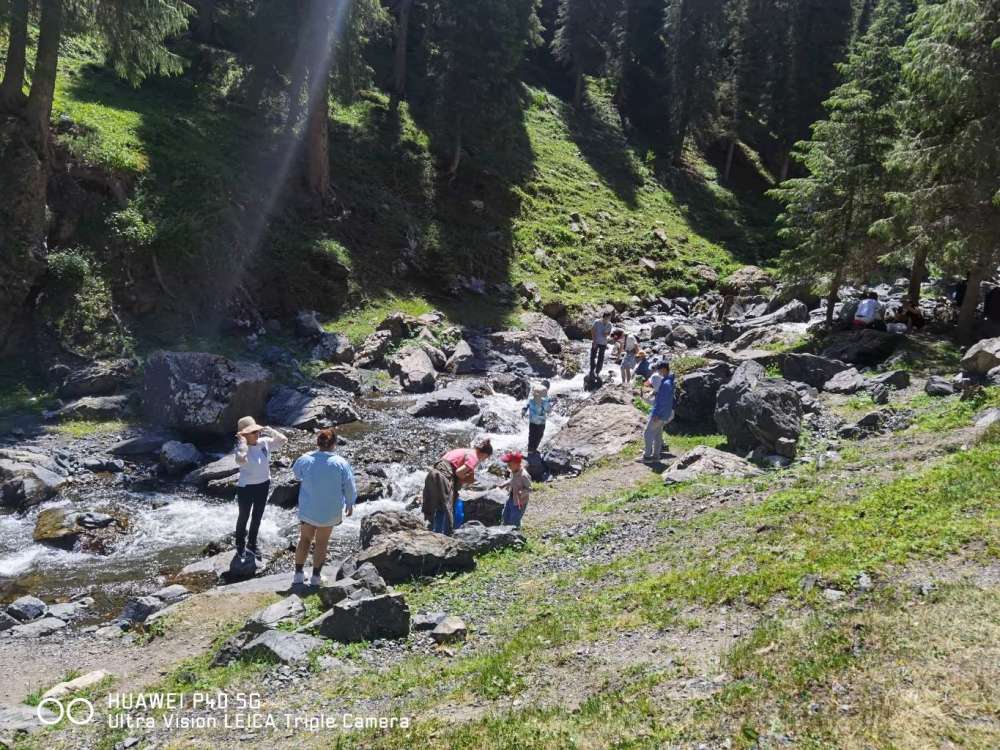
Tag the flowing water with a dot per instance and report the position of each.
(171, 524)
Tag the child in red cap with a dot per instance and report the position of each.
(519, 487)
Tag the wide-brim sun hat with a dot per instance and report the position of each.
(247, 425)
(539, 389)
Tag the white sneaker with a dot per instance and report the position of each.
(298, 579)
(316, 580)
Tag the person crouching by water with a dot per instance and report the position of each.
(663, 412)
(519, 489)
(537, 409)
(254, 446)
(327, 489)
(454, 469)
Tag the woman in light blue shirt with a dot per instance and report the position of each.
(327, 488)
(537, 410)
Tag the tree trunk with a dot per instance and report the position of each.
(967, 313)
(785, 164)
(399, 62)
(730, 153)
(12, 88)
(831, 302)
(295, 98)
(577, 87)
(456, 157)
(318, 146)
(43, 79)
(917, 271)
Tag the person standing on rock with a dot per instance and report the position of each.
(254, 446)
(663, 412)
(599, 334)
(453, 470)
(537, 410)
(327, 489)
(519, 489)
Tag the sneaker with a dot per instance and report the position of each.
(316, 580)
(255, 553)
(240, 554)
(298, 579)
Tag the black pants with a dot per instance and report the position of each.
(535, 432)
(252, 500)
(597, 358)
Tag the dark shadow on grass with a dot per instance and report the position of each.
(604, 147)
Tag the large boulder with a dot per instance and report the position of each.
(526, 347)
(98, 379)
(343, 377)
(694, 401)
(511, 384)
(144, 443)
(278, 646)
(982, 357)
(367, 619)
(793, 312)
(374, 349)
(754, 410)
(486, 539)
(747, 280)
(308, 409)
(334, 347)
(453, 402)
(222, 468)
(176, 457)
(846, 382)
(28, 478)
(464, 361)
(811, 368)
(415, 370)
(403, 555)
(705, 461)
(547, 330)
(866, 347)
(383, 522)
(484, 507)
(202, 393)
(595, 431)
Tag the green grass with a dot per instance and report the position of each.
(82, 428)
(936, 413)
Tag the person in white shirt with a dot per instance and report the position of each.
(253, 456)
(868, 312)
(630, 348)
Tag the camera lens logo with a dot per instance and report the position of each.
(79, 711)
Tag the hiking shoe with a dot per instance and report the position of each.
(298, 579)
(255, 553)
(316, 580)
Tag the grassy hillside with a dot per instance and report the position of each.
(565, 201)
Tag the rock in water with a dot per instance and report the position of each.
(453, 402)
(754, 410)
(28, 479)
(202, 393)
(353, 620)
(705, 461)
(177, 457)
(982, 356)
(308, 408)
(403, 555)
(415, 370)
(383, 522)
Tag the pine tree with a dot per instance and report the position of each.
(950, 149)
(583, 38)
(12, 88)
(829, 212)
(644, 80)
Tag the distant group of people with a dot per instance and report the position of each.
(870, 313)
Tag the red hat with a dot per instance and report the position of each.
(512, 456)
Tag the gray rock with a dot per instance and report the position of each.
(338, 591)
(57, 527)
(694, 401)
(172, 594)
(427, 621)
(6, 621)
(747, 280)
(289, 609)
(704, 461)
(374, 349)
(811, 368)
(403, 555)
(547, 330)
(511, 384)
(845, 383)
(793, 312)
(334, 347)
(464, 361)
(307, 324)
(222, 468)
(993, 376)
(176, 457)
(982, 356)
(27, 608)
(352, 620)
(28, 479)
(225, 567)
(138, 609)
(345, 378)
(415, 370)
(595, 431)
(487, 539)
(99, 408)
(866, 347)
(368, 576)
(38, 628)
(453, 402)
(103, 465)
(484, 507)
(98, 379)
(939, 386)
(202, 393)
(559, 462)
(897, 379)
(988, 418)
(753, 410)
(387, 522)
(880, 393)
(526, 347)
(145, 443)
(21, 719)
(450, 630)
(281, 647)
(308, 409)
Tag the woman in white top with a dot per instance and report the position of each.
(630, 347)
(253, 456)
